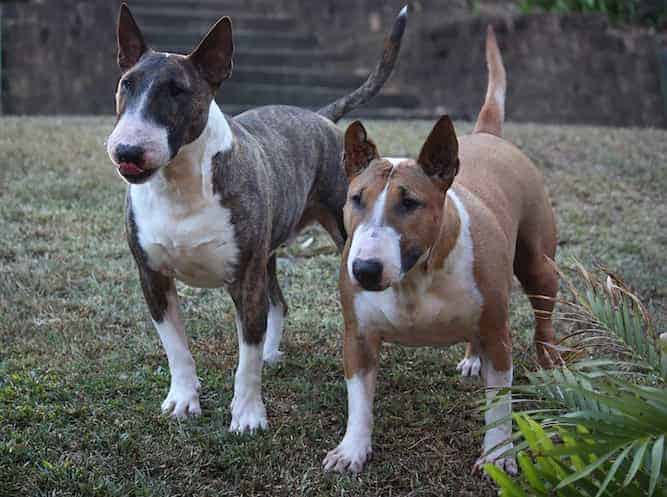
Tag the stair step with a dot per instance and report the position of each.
(366, 112)
(267, 6)
(276, 62)
(301, 96)
(201, 19)
(314, 59)
(242, 39)
(295, 76)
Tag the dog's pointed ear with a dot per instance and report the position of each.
(359, 150)
(214, 55)
(131, 44)
(439, 157)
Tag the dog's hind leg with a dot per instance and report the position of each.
(471, 364)
(330, 199)
(276, 317)
(251, 299)
(333, 224)
(539, 279)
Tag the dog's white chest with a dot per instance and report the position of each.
(190, 238)
(441, 313)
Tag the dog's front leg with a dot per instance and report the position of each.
(360, 353)
(183, 396)
(252, 307)
(162, 299)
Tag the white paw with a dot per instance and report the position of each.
(182, 399)
(507, 464)
(248, 415)
(272, 357)
(350, 455)
(470, 366)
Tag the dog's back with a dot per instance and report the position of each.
(299, 151)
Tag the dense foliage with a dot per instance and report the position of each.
(596, 427)
(648, 12)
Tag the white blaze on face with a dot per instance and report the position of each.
(374, 239)
(135, 130)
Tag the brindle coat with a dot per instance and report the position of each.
(275, 170)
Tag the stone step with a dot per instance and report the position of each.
(242, 39)
(313, 59)
(239, 5)
(275, 61)
(366, 112)
(295, 76)
(301, 96)
(201, 19)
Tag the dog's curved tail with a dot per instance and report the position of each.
(492, 115)
(378, 77)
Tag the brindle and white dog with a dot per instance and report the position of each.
(211, 198)
(430, 260)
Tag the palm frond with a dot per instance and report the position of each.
(607, 316)
(597, 426)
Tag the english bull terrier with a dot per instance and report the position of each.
(211, 198)
(430, 257)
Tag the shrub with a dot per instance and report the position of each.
(649, 12)
(596, 427)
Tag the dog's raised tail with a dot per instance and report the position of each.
(492, 115)
(378, 77)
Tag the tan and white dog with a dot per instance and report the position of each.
(430, 258)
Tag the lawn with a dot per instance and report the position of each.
(82, 373)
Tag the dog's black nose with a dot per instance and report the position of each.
(368, 273)
(130, 153)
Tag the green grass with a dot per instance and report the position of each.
(82, 373)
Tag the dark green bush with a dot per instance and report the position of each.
(648, 12)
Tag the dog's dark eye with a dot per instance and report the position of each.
(357, 201)
(410, 204)
(175, 89)
(127, 85)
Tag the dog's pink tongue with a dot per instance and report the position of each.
(130, 169)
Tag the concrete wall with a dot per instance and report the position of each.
(561, 68)
(573, 69)
(360, 26)
(59, 57)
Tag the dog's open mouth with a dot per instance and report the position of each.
(134, 173)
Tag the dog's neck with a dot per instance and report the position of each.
(190, 170)
(448, 234)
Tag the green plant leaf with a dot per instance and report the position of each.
(509, 488)
(526, 428)
(530, 473)
(657, 454)
(585, 471)
(614, 468)
(638, 457)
